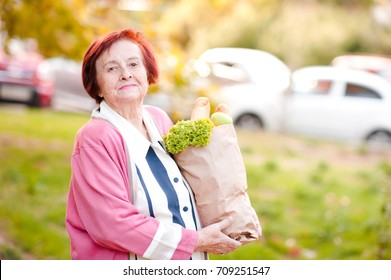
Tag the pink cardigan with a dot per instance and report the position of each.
(101, 221)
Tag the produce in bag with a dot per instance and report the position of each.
(207, 152)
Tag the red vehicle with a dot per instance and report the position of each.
(26, 80)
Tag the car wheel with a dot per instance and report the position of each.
(378, 140)
(34, 102)
(249, 121)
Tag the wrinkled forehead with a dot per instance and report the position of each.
(120, 51)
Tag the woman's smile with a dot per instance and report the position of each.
(127, 86)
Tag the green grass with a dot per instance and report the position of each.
(315, 200)
(35, 151)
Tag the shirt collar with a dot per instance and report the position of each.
(136, 143)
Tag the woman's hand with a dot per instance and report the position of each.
(212, 240)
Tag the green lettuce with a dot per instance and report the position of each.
(187, 133)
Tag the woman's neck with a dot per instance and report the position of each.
(133, 114)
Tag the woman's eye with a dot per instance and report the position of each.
(111, 69)
(133, 64)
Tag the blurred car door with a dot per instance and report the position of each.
(359, 109)
(307, 109)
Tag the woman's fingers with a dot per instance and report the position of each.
(229, 244)
(213, 240)
(225, 223)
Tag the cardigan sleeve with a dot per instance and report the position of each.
(101, 193)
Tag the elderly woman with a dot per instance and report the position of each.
(127, 197)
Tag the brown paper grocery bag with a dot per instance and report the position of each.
(217, 176)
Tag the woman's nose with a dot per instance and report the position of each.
(125, 74)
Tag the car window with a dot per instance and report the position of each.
(225, 73)
(318, 87)
(353, 90)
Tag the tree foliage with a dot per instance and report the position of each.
(54, 24)
(62, 28)
(300, 32)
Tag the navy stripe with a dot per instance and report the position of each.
(192, 205)
(161, 175)
(151, 213)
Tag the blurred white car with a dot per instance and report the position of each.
(327, 102)
(252, 82)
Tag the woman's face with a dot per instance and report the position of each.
(121, 73)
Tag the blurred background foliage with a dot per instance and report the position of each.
(300, 32)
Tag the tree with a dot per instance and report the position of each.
(64, 28)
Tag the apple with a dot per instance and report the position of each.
(220, 118)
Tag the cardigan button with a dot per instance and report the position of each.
(176, 180)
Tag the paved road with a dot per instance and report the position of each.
(71, 102)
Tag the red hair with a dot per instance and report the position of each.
(99, 46)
